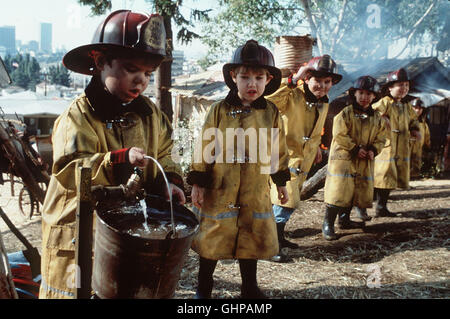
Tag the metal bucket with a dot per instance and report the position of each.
(291, 52)
(127, 266)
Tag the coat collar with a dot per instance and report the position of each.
(107, 107)
(369, 111)
(310, 97)
(234, 100)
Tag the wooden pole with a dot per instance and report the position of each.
(83, 244)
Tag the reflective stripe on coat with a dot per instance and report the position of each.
(349, 180)
(80, 139)
(236, 218)
(303, 126)
(392, 165)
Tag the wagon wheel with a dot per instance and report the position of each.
(26, 202)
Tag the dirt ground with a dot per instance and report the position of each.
(394, 258)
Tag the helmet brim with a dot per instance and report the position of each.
(80, 60)
(335, 78)
(272, 87)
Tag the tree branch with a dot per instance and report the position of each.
(336, 30)
(414, 28)
(312, 24)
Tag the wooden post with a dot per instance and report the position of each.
(83, 244)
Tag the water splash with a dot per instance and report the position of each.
(144, 210)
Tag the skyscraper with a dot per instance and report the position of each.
(8, 38)
(46, 37)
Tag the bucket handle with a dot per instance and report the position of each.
(168, 190)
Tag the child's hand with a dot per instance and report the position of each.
(370, 155)
(176, 193)
(197, 195)
(362, 153)
(301, 73)
(283, 194)
(136, 157)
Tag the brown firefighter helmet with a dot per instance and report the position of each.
(324, 66)
(124, 33)
(253, 55)
(417, 102)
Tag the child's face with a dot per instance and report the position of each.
(399, 90)
(364, 97)
(418, 110)
(319, 86)
(251, 84)
(126, 78)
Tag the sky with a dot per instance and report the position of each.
(73, 25)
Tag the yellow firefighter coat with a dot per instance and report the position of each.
(350, 179)
(417, 148)
(392, 164)
(303, 122)
(236, 218)
(81, 139)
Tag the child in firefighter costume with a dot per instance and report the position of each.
(303, 106)
(231, 189)
(358, 136)
(392, 164)
(419, 145)
(110, 127)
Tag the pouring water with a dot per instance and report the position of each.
(144, 206)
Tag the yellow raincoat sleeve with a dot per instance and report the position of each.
(380, 138)
(282, 96)
(427, 136)
(204, 153)
(76, 144)
(413, 120)
(340, 132)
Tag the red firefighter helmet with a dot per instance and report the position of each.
(253, 55)
(399, 75)
(123, 32)
(324, 66)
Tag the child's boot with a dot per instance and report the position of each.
(328, 222)
(249, 288)
(361, 213)
(205, 278)
(344, 221)
(381, 208)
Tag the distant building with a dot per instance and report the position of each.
(8, 38)
(177, 63)
(46, 37)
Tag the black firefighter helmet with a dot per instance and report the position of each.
(252, 54)
(122, 33)
(365, 82)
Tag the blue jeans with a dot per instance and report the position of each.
(282, 214)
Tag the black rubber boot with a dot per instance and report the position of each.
(361, 213)
(382, 199)
(328, 222)
(205, 278)
(282, 241)
(249, 288)
(344, 221)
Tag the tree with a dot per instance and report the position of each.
(59, 75)
(241, 20)
(350, 29)
(170, 11)
(24, 70)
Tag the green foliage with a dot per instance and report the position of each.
(59, 75)
(241, 20)
(264, 20)
(24, 70)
